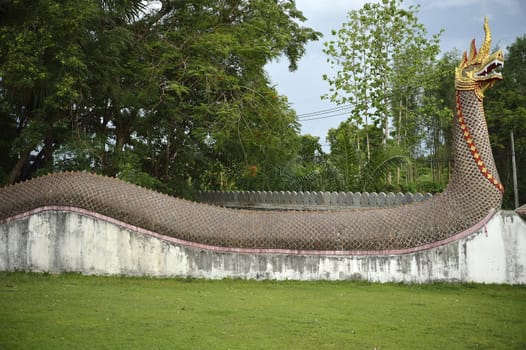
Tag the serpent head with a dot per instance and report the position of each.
(478, 71)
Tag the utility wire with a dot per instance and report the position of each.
(324, 111)
(343, 109)
(343, 112)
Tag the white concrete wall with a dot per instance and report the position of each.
(61, 241)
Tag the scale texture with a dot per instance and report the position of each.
(474, 190)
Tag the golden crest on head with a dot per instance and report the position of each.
(478, 70)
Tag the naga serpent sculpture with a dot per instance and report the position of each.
(473, 192)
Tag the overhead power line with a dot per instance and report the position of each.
(339, 113)
(344, 109)
(325, 111)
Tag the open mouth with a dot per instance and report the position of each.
(491, 70)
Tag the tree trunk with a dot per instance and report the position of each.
(14, 174)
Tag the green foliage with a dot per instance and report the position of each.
(347, 156)
(174, 97)
(505, 106)
(382, 53)
(352, 169)
(416, 97)
(43, 75)
(166, 96)
(376, 173)
(386, 72)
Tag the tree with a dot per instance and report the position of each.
(436, 111)
(42, 74)
(165, 96)
(384, 62)
(221, 108)
(505, 106)
(54, 57)
(381, 54)
(346, 155)
(352, 173)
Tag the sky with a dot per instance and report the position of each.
(461, 20)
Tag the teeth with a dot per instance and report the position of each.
(490, 67)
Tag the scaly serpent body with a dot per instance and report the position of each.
(469, 197)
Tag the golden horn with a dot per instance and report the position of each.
(486, 46)
(472, 51)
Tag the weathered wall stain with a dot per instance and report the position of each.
(64, 241)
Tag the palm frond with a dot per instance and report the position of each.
(128, 10)
(381, 164)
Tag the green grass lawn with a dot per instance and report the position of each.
(40, 311)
